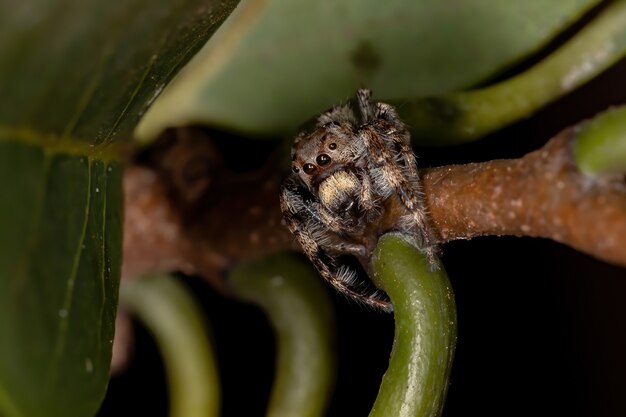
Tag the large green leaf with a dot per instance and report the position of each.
(59, 269)
(276, 63)
(468, 115)
(75, 76)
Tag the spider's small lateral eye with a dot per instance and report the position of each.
(295, 169)
(308, 168)
(323, 159)
(332, 146)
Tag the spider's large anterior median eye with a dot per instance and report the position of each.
(308, 168)
(323, 159)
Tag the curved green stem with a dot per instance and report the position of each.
(600, 143)
(298, 307)
(170, 313)
(462, 117)
(416, 381)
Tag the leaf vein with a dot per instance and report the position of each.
(102, 260)
(69, 292)
(135, 92)
(83, 103)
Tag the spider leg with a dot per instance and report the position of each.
(338, 114)
(398, 138)
(388, 143)
(365, 106)
(312, 235)
(366, 198)
(343, 248)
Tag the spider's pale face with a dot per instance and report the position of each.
(326, 150)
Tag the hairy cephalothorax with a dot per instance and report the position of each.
(353, 181)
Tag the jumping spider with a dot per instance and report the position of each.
(351, 183)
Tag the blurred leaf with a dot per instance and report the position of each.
(170, 312)
(299, 309)
(600, 143)
(276, 63)
(75, 76)
(88, 69)
(59, 272)
(467, 115)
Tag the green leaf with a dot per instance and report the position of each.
(59, 272)
(75, 76)
(88, 69)
(467, 115)
(276, 63)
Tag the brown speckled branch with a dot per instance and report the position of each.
(238, 218)
(187, 213)
(542, 194)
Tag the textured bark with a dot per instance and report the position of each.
(542, 194)
(184, 211)
(202, 221)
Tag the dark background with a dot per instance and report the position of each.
(541, 326)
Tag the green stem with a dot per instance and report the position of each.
(170, 313)
(462, 117)
(416, 381)
(600, 143)
(297, 305)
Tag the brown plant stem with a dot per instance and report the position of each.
(236, 217)
(542, 194)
